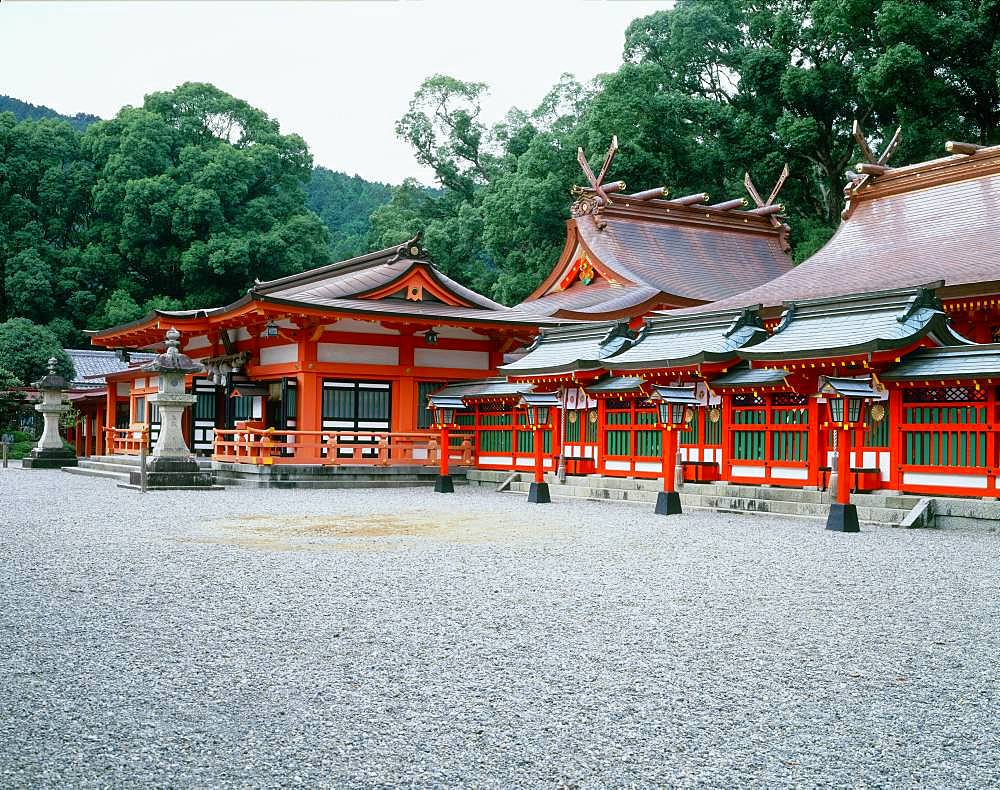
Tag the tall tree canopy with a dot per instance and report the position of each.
(183, 201)
(707, 90)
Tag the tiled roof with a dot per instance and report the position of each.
(953, 362)
(569, 349)
(91, 366)
(659, 253)
(361, 285)
(931, 221)
(599, 298)
(616, 385)
(669, 341)
(856, 324)
(491, 388)
(700, 262)
(744, 376)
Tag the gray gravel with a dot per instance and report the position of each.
(254, 638)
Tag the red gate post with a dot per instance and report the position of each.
(674, 405)
(444, 408)
(539, 407)
(847, 404)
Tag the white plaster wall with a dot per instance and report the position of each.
(935, 479)
(363, 327)
(276, 355)
(357, 354)
(445, 358)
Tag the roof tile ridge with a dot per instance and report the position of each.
(357, 263)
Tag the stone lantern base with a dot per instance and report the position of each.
(173, 473)
(49, 458)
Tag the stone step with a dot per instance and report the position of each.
(89, 472)
(330, 483)
(693, 498)
(107, 466)
(132, 460)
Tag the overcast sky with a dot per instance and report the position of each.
(338, 72)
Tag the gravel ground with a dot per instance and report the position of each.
(281, 638)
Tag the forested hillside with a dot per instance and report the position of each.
(23, 111)
(183, 201)
(345, 203)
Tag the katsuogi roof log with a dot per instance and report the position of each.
(668, 341)
(858, 324)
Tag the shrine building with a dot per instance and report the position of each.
(648, 291)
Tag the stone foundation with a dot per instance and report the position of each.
(49, 458)
(173, 473)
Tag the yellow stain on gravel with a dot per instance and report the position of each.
(376, 532)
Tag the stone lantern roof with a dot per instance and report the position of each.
(172, 360)
(51, 380)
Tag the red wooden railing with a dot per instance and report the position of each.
(270, 446)
(127, 441)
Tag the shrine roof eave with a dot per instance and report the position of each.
(956, 362)
(617, 385)
(750, 377)
(436, 313)
(937, 330)
(205, 319)
(701, 358)
(494, 388)
(566, 370)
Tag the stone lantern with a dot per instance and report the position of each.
(50, 452)
(171, 464)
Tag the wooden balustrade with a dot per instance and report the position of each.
(268, 446)
(127, 441)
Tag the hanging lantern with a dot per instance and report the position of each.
(444, 408)
(848, 399)
(675, 405)
(539, 407)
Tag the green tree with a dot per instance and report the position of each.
(12, 400)
(345, 204)
(25, 349)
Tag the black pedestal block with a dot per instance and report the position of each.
(172, 473)
(444, 485)
(539, 493)
(49, 459)
(668, 503)
(843, 518)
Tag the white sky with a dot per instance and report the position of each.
(339, 72)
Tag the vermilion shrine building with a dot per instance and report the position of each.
(648, 291)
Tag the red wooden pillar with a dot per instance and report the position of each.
(669, 462)
(769, 428)
(725, 447)
(537, 441)
(99, 433)
(309, 417)
(895, 417)
(602, 428)
(843, 466)
(814, 450)
(445, 452)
